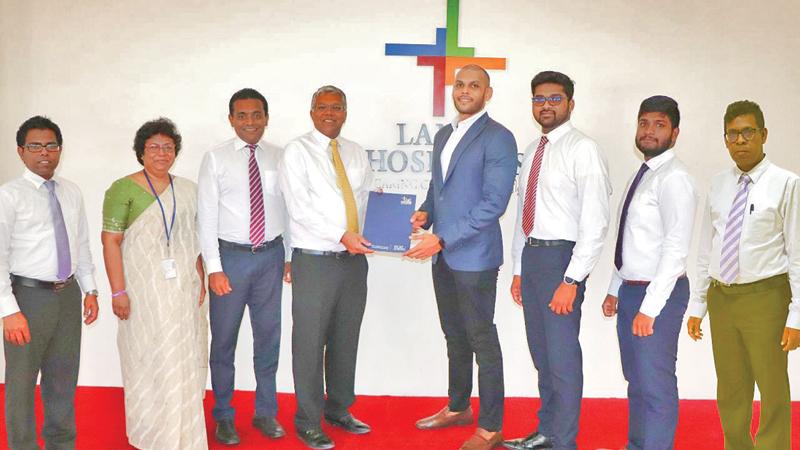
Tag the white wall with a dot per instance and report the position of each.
(100, 69)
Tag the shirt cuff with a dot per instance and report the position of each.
(87, 283)
(651, 307)
(613, 288)
(576, 273)
(8, 306)
(213, 265)
(793, 321)
(697, 309)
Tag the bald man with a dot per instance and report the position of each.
(474, 164)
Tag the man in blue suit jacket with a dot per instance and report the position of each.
(474, 165)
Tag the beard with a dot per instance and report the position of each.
(655, 151)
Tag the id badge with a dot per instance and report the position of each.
(169, 268)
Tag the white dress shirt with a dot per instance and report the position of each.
(571, 198)
(223, 197)
(27, 235)
(658, 231)
(770, 241)
(459, 130)
(317, 219)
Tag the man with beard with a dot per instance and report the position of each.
(562, 218)
(474, 161)
(649, 288)
(748, 278)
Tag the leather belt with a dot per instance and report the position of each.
(337, 255)
(533, 242)
(54, 286)
(755, 286)
(249, 248)
(645, 282)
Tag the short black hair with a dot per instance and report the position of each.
(38, 123)
(247, 93)
(743, 108)
(550, 76)
(662, 104)
(162, 125)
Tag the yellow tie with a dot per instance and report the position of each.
(347, 192)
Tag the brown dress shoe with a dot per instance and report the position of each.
(478, 442)
(445, 418)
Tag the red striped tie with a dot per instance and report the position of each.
(257, 222)
(529, 207)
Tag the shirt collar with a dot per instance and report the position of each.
(321, 139)
(34, 179)
(468, 121)
(239, 144)
(754, 173)
(654, 163)
(554, 135)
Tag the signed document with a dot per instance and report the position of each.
(387, 224)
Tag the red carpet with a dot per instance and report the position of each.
(101, 423)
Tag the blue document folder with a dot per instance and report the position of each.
(387, 225)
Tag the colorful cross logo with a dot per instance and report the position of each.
(445, 56)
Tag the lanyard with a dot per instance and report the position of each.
(168, 230)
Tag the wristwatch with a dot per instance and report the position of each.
(572, 281)
(92, 292)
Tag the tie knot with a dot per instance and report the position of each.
(643, 168)
(51, 185)
(745, 178)
(544, 140)
(251, 147)
(334, 144)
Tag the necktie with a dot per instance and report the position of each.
(529, 207)
(347, 191)
(62, 240)
(256, 201)
(729, 259)
(624, 216)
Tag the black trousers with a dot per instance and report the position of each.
(329, 295)
(466, 312)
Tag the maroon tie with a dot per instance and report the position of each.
(256, 201)
(529, 207)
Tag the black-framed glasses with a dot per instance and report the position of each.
(747, 133)
(553, 100)
(37, 147)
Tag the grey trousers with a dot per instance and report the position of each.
(329, 295)
(54, 319)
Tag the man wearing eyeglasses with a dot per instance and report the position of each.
(562, 219)
(748, 279)
(44, 250)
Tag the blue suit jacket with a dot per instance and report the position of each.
(464, 208)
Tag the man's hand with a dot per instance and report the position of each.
(610, 306)
(219, 284)
(121, 306)
(693, 327)
(90, 309)
(516, 289)
(791, 339)
(287, 272)
(418, 219)
(642, 325)
(428, 245)
(15, 329)
(563, 297)
(355, 243)
(202, 294)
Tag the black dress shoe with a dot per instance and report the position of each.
(350, 424)
(534, 441)
(226, 433)
(269, 427)
(315, 439)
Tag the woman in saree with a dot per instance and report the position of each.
(151, 254)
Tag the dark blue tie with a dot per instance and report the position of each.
(624, 216)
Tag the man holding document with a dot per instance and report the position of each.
(474, 164)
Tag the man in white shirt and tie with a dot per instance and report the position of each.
(326, 180)
(562, 219)
(649, 288)
(242, 219)
(748, 279)
(44, 250)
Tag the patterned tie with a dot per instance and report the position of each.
(62, 240)
(529, 207)
(624, 216)
(729, 259)
(347, 191)
(257, 222)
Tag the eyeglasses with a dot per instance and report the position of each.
(323, 107)
(747, 133)
(155, 148)
(553, 100)
(36, 147)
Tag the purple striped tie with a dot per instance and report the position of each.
(729, 256)
(257, 222)
(62, 239)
